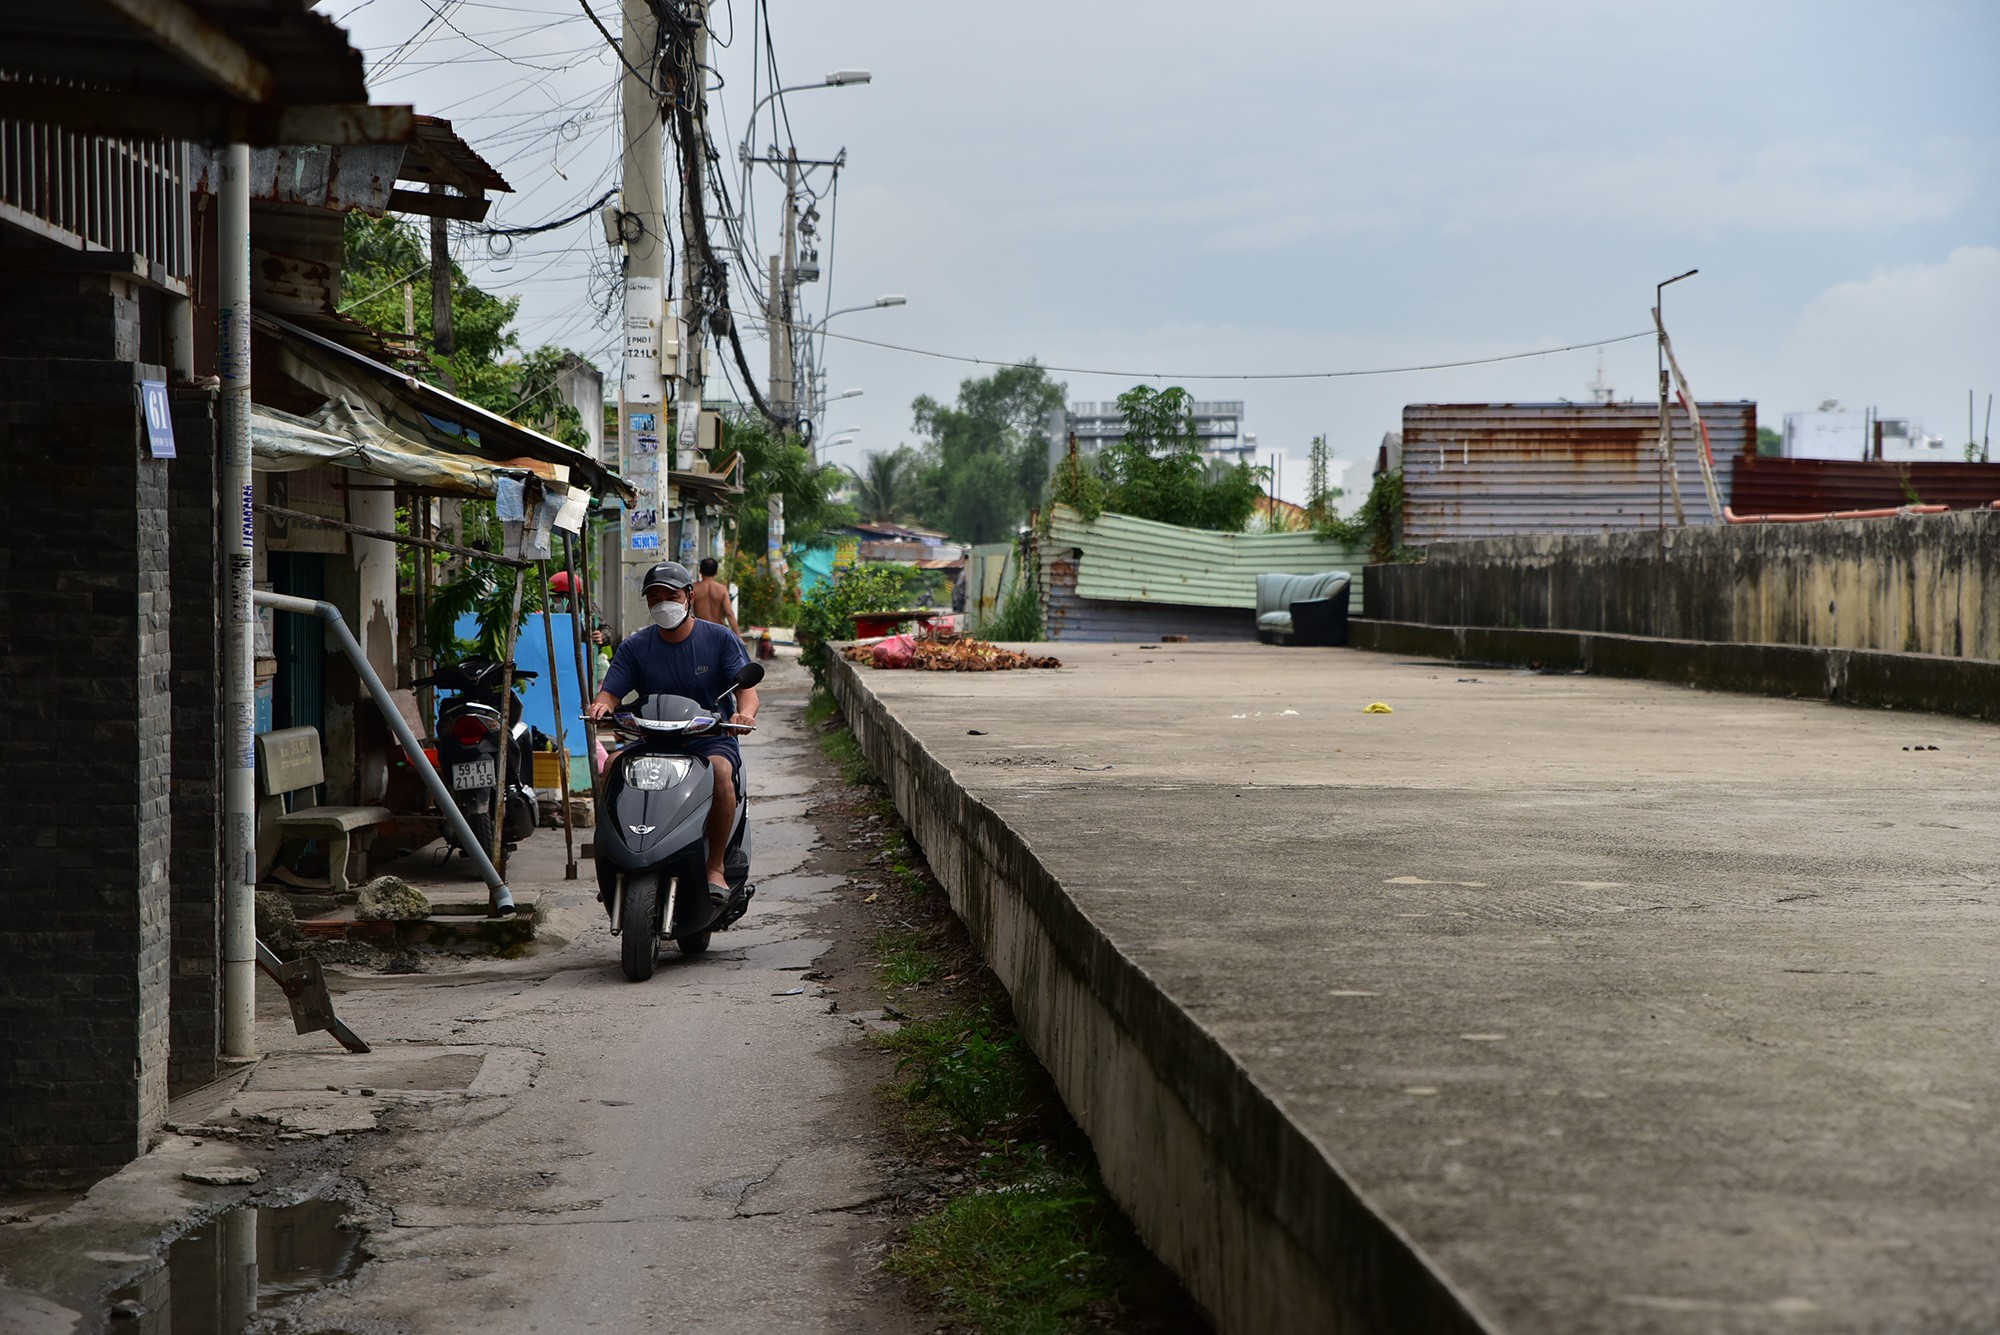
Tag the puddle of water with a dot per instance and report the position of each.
(220, 1275)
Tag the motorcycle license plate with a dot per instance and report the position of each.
(473, 774)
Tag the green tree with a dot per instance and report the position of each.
(486, 365)
(775, 465)
(1769, 442)
(984, 460)
(1157, 471)
(887, 486)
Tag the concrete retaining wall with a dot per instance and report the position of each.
(1962, 686)
(1916, 585)
(1260, 1225)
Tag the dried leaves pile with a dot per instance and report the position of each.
(962, 655)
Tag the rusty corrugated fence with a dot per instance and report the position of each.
(1485, 470)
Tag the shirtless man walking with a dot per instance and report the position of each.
(710, 598)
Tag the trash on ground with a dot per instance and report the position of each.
(1378, 708)
(947, 655)
(789, 992)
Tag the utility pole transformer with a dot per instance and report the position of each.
(642, 228)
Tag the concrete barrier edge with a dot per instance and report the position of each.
(1259, 1223)
(1867, 678)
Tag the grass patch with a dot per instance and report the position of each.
(967, 1069)
(839, 746)
(1030, 1257)
(820, 707)
(904, 959)
(1020, 1237)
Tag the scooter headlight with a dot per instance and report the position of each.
(651, 773)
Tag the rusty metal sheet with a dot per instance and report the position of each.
(338, 177)
(1481, 470)
(1766, 486)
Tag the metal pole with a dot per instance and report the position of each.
(555, 700)
(1670, 466)
(502, 899)
(239, 877)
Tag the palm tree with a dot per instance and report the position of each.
(886, 489)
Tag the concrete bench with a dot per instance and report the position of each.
(288, 763)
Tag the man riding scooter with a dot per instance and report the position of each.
(680, 654)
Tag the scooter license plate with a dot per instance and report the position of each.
(473, 774)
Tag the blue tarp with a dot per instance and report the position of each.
(531, 655)
(815, 567)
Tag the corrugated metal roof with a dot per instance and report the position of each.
(1484, 470)
(1139, 561)
(1815, 486)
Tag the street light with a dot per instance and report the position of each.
(845, 394)
(819, 329)
(837, 79)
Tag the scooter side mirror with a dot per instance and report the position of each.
(749, 675)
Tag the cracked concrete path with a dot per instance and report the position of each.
(687, 1154)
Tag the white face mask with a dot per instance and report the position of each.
(668, 615)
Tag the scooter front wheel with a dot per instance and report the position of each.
(638, 930)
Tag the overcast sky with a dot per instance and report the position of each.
(1282, 187)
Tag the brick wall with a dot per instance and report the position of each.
(196, 996)
(85, 613)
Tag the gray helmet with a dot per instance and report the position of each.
(668, 575)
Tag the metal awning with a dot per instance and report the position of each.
(345, 434)
(401, 422)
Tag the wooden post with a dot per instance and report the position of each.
(555, 700)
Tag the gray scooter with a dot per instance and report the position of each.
(651, 837)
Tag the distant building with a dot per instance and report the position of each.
(1833, 432)
(1218, 423)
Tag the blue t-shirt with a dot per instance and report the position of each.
(700, 667)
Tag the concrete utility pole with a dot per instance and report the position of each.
(642, 228)
(239, 704)
(778, 316)
(791, 276)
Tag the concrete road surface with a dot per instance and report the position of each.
(686, 1154)
(1635, 1008)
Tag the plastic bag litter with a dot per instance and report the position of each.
(898, 651)
(1378, 708)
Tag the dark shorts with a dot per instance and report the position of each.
(718, 746)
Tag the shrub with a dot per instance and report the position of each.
(827, 613)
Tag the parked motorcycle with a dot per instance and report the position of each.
(651, 833)
(468, 735)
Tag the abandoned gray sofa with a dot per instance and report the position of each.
(1303, 609)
